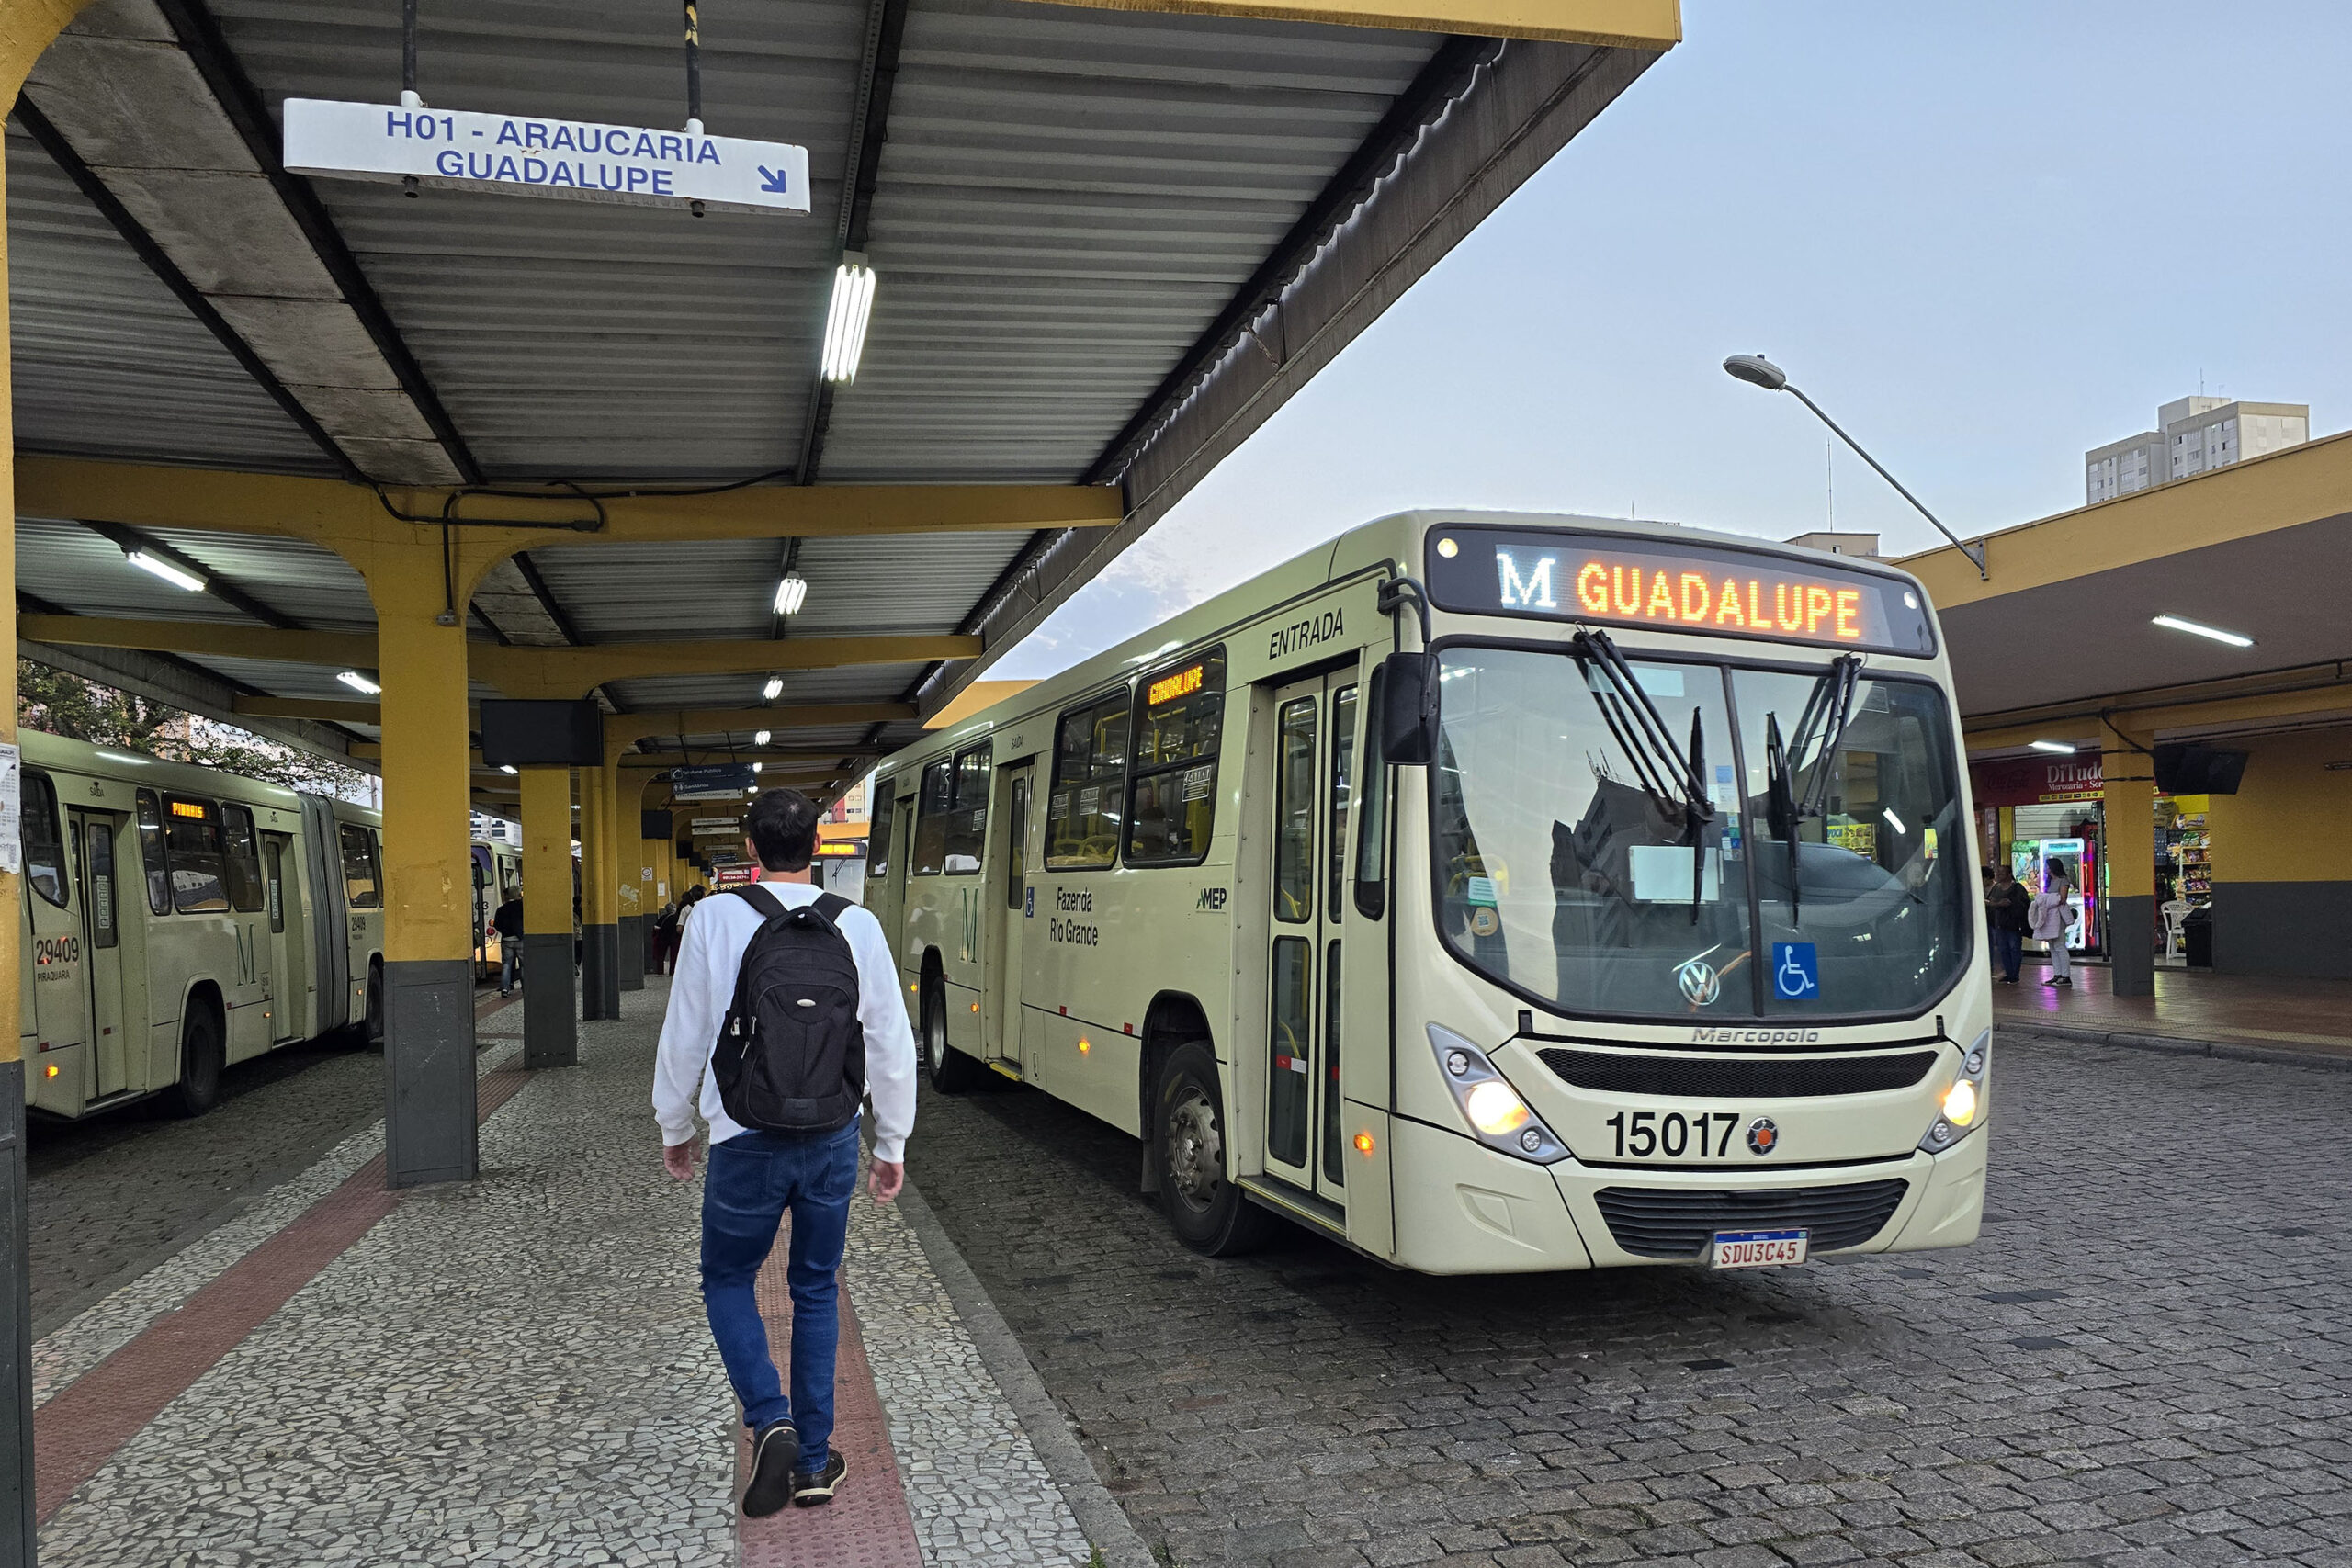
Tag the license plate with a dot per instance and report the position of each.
(1756, 1249)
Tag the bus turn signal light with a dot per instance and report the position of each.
(53, 1069)
(1084, 1046)
(1364, 1144)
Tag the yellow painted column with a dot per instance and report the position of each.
(429, 1126)
(635, 884)
(596, 895)
(2128, 858)
(551, 1031)
(16, 1532)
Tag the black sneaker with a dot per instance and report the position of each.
(773, 1448)
(808, 1490)
(2064, 980)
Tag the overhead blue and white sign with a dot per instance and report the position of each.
(521, 155)
(717, 780)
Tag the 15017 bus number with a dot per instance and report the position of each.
(1648, 1134)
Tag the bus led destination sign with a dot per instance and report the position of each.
(1710, 590)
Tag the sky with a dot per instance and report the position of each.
(1984, 238)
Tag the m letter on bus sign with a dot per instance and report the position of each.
(524, 156)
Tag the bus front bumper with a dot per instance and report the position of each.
(1470, 1209)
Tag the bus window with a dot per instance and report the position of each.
(44, 847)
(877, 844)
(244, 857)
(192, 850)
(932, 806)
(1089, 775)
(151, 849)
(1294, 813)
(967, 823)
(1372, 822)
(102, 926)
(1343, 740)
(1174, 803)
(363, 886)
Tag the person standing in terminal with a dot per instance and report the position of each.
(2051, 918)
(2005, 910)
(785, 1014)
(508, 923)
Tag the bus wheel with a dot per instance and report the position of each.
(1209, 1213)
(952, 1072)
(374, 1037)
(201, 1059)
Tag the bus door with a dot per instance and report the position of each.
(1007, 894)
(1314, 724)
(94, 863)
(288, 1011)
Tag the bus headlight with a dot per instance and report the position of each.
(1496, 1113)
(1962, 1109)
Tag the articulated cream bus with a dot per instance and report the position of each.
(1488, 892)
(178, 919)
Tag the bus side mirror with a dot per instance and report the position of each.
(1409, 708)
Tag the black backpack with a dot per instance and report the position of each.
(791, 1054)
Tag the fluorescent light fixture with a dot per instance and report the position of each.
(359, 682)
(845, 321)
(2173, 623)
(791, 593)
(164, 570)
(1892, 820)
(508, 768)
(762, 738)
(2057, 748)
(774, 689)
(755, 767)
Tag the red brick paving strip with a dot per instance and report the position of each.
(868, 1524)
(85, 1423)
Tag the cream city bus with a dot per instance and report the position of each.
(498, 877)
(1488, 892)
(178, 920)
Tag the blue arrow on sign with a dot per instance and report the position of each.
(772, 180)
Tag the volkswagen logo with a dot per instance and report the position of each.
(1763, 1136)
(1700, 985)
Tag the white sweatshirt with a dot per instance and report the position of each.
(710, 954)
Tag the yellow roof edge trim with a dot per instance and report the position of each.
(1613, 24)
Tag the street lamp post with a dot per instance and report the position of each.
(1759, 371)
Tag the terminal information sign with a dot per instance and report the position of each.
(1710, 590)
(526, 155)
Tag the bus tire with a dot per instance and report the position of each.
(371, 1026)
(1208, 1212)
(203, 1054)
(951, 1071)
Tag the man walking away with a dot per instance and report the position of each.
(785, 1013)
(2051, 916)
(508, 923)
(2005, 907)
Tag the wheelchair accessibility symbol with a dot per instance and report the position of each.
(1796, 970)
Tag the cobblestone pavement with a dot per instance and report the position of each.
(2148, 1359)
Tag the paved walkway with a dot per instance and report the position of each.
(2194, 1010)
(518, 1371)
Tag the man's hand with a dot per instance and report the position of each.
(889, 1175)
(678, 1159)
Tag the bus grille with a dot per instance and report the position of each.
(1665, 1221)
(1709, 1077)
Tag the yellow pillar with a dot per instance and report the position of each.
(596, 895)
(429, 1128)
(636, 886)
(550, 1033)
(2128, 861)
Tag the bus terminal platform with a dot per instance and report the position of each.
(518, 1371)
(2257, 1017)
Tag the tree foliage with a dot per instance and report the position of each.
(67, 705)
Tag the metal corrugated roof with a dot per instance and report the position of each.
(85, 574)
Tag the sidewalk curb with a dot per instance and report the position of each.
(2318, 1056)
(1105, 1524)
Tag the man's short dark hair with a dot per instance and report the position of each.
(782, 828)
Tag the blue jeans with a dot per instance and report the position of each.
(752, 1181)
(509, 959)
(2008, 952)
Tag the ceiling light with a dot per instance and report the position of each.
(756, 766)
(774, 689)
(508, 768)
(845, 321)
(791, 593)
(1892, 820)
(2058, 747)
(2173, 623)
(762, 738)
(359, 682)
(164, 570)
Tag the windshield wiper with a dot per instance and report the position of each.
(1831, 706)
(1668, 774)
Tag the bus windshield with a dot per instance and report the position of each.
(1820, 877)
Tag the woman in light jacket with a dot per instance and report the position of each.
(2048, 917)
